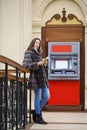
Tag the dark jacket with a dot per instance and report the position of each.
(37, 78)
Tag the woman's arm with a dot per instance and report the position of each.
(29, 63)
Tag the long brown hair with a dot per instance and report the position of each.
(32, 44)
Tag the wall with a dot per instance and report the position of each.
(15, 28)
(9, 28)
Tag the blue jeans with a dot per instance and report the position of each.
(41, 97)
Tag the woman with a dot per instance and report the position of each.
(37, 80)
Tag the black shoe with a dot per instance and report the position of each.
(39, 119)
(34, 115)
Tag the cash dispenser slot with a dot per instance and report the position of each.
(63, 71)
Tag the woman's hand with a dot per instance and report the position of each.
(43, 62)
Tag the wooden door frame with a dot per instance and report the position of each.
(46, 36)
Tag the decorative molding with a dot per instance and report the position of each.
(83, 5)
(36, 30)
(60, 20)
(25, 25)
(86, 21)
(85, 29)
(42, 7)
(45, 3)
(54, 18)
(64, 19)
(85, 80)
(36, 23)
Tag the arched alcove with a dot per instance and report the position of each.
(46, 9)
(65, 28)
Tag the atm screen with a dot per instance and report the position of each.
(61, 64)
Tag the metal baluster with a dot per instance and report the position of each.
(6, 100)
(24, 100)
(30, 107)
(17, 98)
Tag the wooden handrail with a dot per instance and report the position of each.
(12, 77)
(9, 70)
(13, 64)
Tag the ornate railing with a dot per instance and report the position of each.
(14, 112)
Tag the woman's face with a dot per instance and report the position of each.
(36, 44)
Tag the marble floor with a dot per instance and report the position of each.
(62, 120)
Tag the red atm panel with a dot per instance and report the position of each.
(61, 48)
(64, 92)
(64, 73)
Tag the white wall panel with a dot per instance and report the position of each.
(9, 22)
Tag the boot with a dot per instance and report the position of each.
(33, 115)
(39, 119)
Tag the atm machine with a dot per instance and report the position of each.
(64, 73)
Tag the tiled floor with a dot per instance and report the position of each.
(62, 120)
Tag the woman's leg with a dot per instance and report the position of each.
(45, 96)
(37, 100)
(41, 97)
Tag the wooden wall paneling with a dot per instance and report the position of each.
(65, 34)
